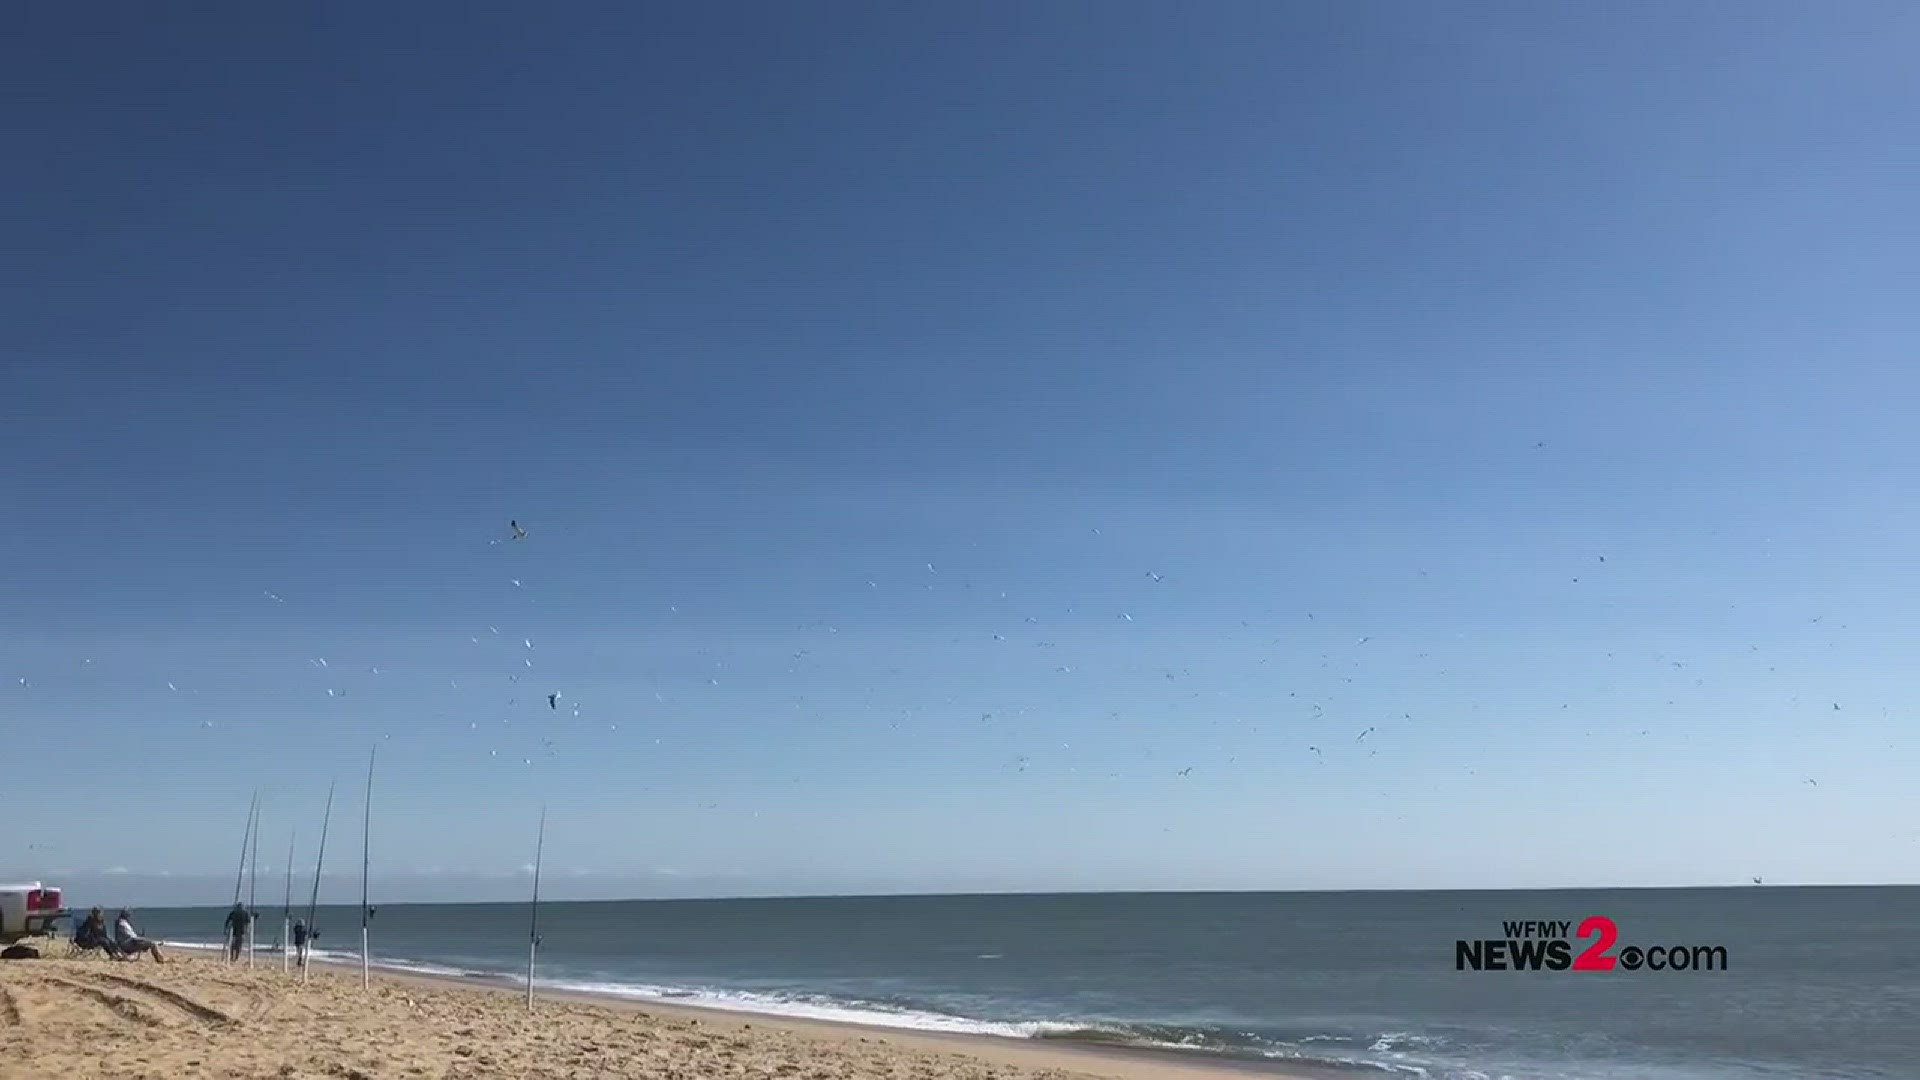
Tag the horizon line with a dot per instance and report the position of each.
(763, 897)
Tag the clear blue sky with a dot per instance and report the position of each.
(937, 430)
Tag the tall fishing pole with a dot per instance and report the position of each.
(286, 911)
(313, 904)
(246, 838)
(240, 876)
(366, 861)
(253, 891)
(533, 928)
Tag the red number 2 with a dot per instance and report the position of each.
(1594, 957)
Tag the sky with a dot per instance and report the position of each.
(994, 447)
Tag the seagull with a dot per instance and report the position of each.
(1363, 735)
(1316, 750)
(518, 532)
(1188, 771)
(1756, 881)
(516, 582)
(273, 598)
(553, 700)
(1157, 578)
(1812, 781)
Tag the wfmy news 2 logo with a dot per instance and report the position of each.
(1532, 945)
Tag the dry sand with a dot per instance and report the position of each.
(67, 1018)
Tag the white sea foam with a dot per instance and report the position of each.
(814, 1008)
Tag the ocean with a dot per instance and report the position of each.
(1818, 982)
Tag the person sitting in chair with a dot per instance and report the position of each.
(92, 934)
(130, 942)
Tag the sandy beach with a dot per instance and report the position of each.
(65, 1018)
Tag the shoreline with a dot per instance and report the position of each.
(195, 1015)
(1085, 1057)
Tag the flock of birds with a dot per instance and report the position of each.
(549, 744)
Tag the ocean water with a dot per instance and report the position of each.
(1819, 982)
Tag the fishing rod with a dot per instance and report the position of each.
(533, 928)
(246, 838)
(253, 893)
(286, 911)
(366, 861)
(240, 875)
(313, 904)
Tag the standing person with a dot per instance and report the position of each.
(238, 920)
(129, 940)
(300, 941)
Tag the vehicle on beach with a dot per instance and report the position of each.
(29, 910)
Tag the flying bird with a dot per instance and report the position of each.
(553, 700)
(518, 532)
(1188, 771)
(1363, 735)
